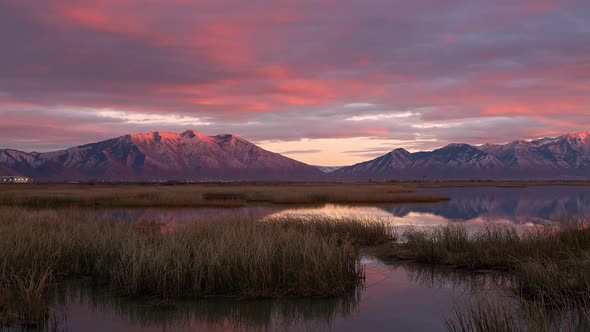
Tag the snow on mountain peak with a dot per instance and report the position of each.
(564, 157)
(162, 155)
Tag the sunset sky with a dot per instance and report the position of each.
(329, 82)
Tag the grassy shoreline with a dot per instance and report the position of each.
(103, 196)
(499, 184)
(546, 268)
(230, 258)
(47, 238)
(495, 247)
(232, 195)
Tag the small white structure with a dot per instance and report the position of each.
(14, 179)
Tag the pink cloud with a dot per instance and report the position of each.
(299, 60)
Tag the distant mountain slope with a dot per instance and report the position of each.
(193, 156)
(564, 157)
(160, 155)
(327, 169)
(13, 162)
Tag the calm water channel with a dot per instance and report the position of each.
(395, 297)
(519, 206)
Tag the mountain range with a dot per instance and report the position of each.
(194, 156)
(159, 155)
(565, 158)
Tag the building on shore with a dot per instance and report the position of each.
(14, 179)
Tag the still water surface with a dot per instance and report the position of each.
(395, 297)
(519, 206)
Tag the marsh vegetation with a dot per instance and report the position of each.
(49, 240)
(546, 269)
(238, 258)
(517, 315)
(206, 195)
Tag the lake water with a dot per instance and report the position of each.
(518, 206)
(395, 297)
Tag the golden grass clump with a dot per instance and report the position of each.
(238, 258)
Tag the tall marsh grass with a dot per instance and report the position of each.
(238, 258)
(493, 247)
(560, 283)
(496, 315)
(547, 267)
(494, 302)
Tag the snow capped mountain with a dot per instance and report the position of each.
(462, 156)
(397, 159)
(194, 156)
(570, 151)
(13, 162)
(327, 169)
(161, 155)
(564, 157)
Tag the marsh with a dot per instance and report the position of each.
(261, 265)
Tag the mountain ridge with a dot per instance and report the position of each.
(160, 155)
(564, 157)
(191, 155)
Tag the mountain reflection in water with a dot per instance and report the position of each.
(533, 205)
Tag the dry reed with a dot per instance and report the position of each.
(242, 258)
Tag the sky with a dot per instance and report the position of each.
(327, 82)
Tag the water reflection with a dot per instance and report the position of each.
(79, 307)
(394, 298)
(524, 206)
(439, 277)
(516, 205)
